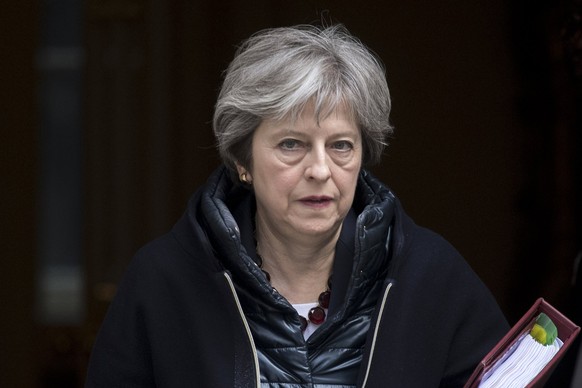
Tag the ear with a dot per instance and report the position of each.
(240, 169)
(243, 174)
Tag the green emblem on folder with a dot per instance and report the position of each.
(544, 331)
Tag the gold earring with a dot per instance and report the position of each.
(243, 178)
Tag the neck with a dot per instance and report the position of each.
(299, 270)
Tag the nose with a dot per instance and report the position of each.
(318, 165)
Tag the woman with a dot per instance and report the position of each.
(293, 266)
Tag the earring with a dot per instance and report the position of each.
(243, 178)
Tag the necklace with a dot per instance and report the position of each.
(317, 314)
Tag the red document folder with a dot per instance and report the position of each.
(567, 332)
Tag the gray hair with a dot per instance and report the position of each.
(277, 72)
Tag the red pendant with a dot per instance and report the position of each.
(316, 315)
(324, 299)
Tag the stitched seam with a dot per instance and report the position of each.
(247, 328)
(372, 348)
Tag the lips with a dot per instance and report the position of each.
(316, 201)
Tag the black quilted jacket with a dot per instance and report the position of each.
(193, 310)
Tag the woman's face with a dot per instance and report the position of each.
(304, 174)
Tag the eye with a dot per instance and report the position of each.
(289, 144)
(342, 145)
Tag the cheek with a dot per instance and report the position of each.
(348, 183)
(274, 184)
(287, 180)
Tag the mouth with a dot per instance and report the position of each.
(316, 201)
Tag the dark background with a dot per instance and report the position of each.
(486, 105)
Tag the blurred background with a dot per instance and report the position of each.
(105, 133)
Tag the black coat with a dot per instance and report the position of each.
(176, 320)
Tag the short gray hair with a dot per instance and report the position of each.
(277, 72)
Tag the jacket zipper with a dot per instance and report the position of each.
(376, 327)
(247, 328)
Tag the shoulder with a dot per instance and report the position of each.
(165, 266)
(162, 253)
(422, 248)
(425, 267)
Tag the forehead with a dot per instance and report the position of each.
(310, 118)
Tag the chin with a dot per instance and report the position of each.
(318, 229)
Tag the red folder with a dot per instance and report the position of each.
(567, 332)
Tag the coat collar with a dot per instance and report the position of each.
(225, 211)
